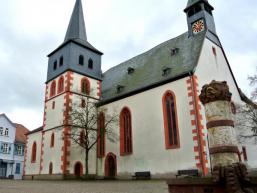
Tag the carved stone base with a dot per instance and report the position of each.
(203, 185)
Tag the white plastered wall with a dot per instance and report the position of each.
(149, 151)
(53, 154)
(33, 168)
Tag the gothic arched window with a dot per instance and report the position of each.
(125, 132)
(85, 86)
(170, 120)
(101, 135)
(34, 152)
(53, 89)
(60, 84)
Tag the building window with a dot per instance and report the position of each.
(51, 168)
(52, 89)
(19, 150)
(61, 61)
(81, 60)
(60, 84)
(101, 135)
(85, 86)
(125, 132)
(18, 168)
(83, 103)
(90, 64)
(82, 138)
(34, 152)
(53, 105)
(170, 120)
(1, 130)
(5, 148)
(52, 140)
(55, 64)
(6, 132)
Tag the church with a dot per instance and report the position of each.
(162, 124)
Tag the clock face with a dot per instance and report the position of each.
(198, 26)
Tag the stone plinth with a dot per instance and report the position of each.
(202, 185)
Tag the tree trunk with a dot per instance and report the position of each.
(86, 162)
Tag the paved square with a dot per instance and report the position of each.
(8, 186)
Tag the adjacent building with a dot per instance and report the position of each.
(12, 145)
(162, 124)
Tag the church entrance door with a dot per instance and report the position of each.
(110, 166)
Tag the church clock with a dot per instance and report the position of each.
(198, 26)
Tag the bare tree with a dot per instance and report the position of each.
(85, 121)
(246, 119)
(246, 123)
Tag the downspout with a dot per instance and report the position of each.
(197, 123)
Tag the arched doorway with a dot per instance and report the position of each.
(78, 169)
(110, 165)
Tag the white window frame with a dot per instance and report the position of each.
(5, 148)
(6, 132)
(1, 130)
(19, 150)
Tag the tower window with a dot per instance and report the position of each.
(52, 89)
(52, 140)
(61, 61)
(55, 64)
(85, 86)
(83, 103)
(90, 63)
(60, 84)
(81, 60)
(82, 138)
(194, 10)
(125, 132)
(170, 120)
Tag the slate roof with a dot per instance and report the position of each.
(149, 66)
(20, 135)
(35, 130)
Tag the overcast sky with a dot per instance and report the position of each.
(31, 29)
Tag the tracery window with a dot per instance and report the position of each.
(125, 132)
(170, 120)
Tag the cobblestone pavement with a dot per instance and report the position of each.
(8, 186)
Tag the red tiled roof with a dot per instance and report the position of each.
(20, 135)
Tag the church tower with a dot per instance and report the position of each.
(74, 75)
(200, 19)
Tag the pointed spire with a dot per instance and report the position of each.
(77, 28)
